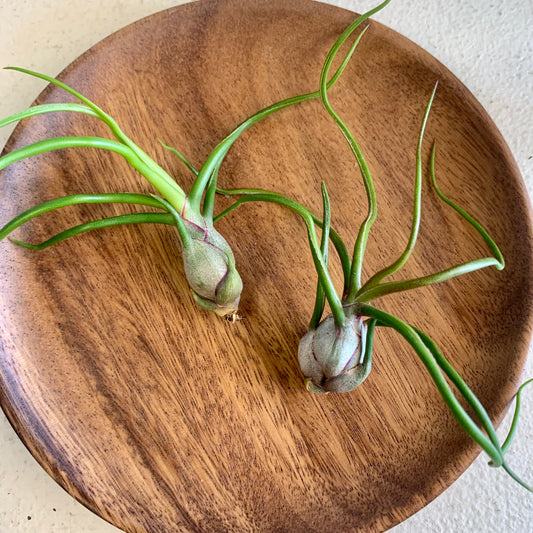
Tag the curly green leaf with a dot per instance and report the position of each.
(360, 244)
(500, 265)
(216, 157)
(394, 267)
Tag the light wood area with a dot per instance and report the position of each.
(161, 417)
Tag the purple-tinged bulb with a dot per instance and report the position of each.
(210, 270)
(332, 357)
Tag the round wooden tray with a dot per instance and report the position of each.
(161, 417)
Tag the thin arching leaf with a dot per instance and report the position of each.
(149, 168)
(47, 108)
(394, 267)
(435, 363)
(135, 218)
(462, 387)
(477, 407)
(480, 229)
(219, 153)
(59, 143)
(362, 237)
(310, 220)
(426, 356)
(367, 295)
(514, 423)
(181, 157)
(78, 199)
(169, 191)
(369, 292)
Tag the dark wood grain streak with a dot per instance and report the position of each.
(162, 418)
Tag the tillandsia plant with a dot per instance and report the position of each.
(208, 259)
(335, 355)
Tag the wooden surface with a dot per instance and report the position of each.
(162, 418)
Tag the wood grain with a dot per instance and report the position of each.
(162, 418)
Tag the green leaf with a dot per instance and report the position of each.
(371, 290)
(47, 108)
(77, 199)
(394, 267)
(362, 237)
(209, 200)
(514, 423)
(59, 143)
(391, 287)
(185, 236)
(215, 158)
(426, 353)
(254, 195)
(320, 298)
(147, 166)
(181, 157)
(480, 229)
(136, 218)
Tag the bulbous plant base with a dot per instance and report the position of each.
(332, 357)
(210, 270)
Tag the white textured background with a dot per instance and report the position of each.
(488, 44)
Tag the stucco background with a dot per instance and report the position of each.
(488, 44)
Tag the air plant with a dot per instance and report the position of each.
(335, 355)
(218, 287)
(208, 259)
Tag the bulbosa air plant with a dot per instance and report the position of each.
(335, 355)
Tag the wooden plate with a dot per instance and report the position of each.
(162, 418)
